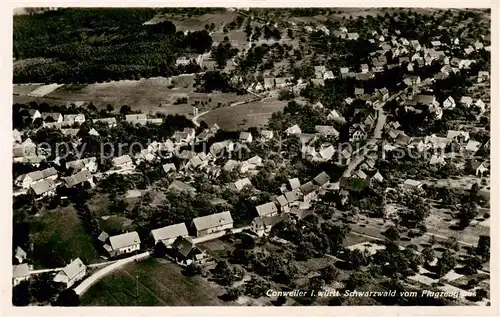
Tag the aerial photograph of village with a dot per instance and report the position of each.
(251, 156)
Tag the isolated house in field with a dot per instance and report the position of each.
(111, 122)
(168, 234)
(123, 162)
(123, 243)
(52, 117)
(246, 137)
(212, 223)
(70, 119)
(267, 210)
(71, 273)
(20, 273)
(262, 226)
(240, 184)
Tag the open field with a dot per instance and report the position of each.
(254, 114)
(148, 95)
(60, 236)
(159, 284)
(196, 23)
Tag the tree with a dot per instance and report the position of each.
(67, 297)
(357, 279)
(233, 293)
(192, 269)
(473, 264)
(110, 108)
(481, 293)
(125, 109)
(247, 242)
(467, 213)
(428, 254)
(392, 233)
(329, 273)
(483, 247)
(280, 301)
(445, 263)
(21, 294)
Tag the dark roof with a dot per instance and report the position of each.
(322, 178)
(307, 188)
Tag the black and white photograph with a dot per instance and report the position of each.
(250, 156)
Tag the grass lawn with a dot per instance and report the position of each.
(160, 284)
(254, 114)
(58, 237)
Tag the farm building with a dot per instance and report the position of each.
(123, 243)
(212, 223)
(168, 234)
(71, 273)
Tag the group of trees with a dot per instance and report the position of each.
(101, 49)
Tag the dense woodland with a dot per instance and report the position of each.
(96, 45)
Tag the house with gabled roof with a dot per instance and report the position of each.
(479, 168)
(43, 188)
(466, 101)
(245, 137)
(295, 129)
(267, 210)
(52, 117)
(241, 183)
(169, 167)
(123, 162)
(335, 116)
(308, 191)
(282, 203)
(168, 234)
(111, 122)
(483, 76)
(123, 243)
(71, 273)
(213, 223)
(294, 183)
(472, 147)
(266, 134)
(322, 179)
(20, 273)
(326, 130)
(449, 103)
(78, 178)
(262, 226)
(186, 252)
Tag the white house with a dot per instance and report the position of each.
(266, 134)
(295, 129)
(123, 162)
(246, 137)
(26, 180)
(449, 103)
(70, 119)
(168, 234)
(412, 184)
(111, 122)
(262, 226)
(123, 243)
(71, 273)
(212, 223)
(267, 210)
(20, 273)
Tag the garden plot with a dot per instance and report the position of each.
(44, 90)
